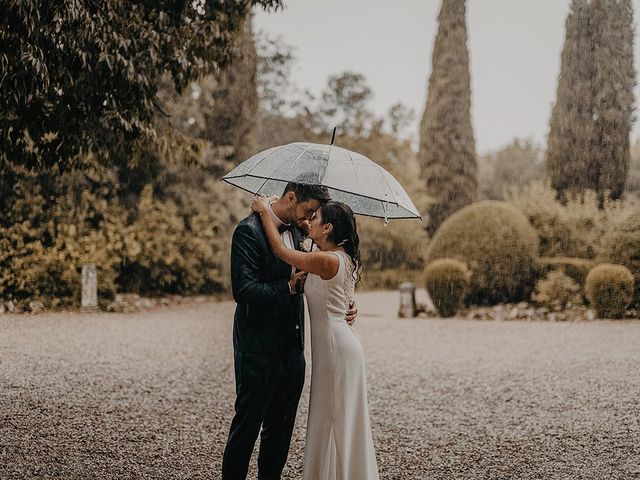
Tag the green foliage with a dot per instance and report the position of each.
(83, 76)
(49, 230)
(633, 178)
(498, 245)
(174, 242)
(575, 268)
(234, 116)
(399, 247)
(344, 103)
(621, 245)
(588, 147)
(515, 165)
(573, 228)
(160, 255)
(389, 279)
(609, 289)
(447, 282)
(557, 290)
(447, 146)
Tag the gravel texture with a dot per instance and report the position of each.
(150, 395)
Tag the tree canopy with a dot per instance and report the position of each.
(81, 76)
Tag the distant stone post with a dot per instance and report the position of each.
(89, 298)
(408, 308)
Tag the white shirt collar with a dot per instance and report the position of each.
(275, 218)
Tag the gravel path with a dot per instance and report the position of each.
(150, 395)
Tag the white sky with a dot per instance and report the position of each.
(514, 48)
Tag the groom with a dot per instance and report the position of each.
(268, 336)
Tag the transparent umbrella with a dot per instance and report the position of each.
(349, 176)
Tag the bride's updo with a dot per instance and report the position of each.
(345, 231)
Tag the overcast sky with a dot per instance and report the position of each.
(514, 48)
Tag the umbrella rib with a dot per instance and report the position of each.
(299, 156)
(355, 170)
(262, 160)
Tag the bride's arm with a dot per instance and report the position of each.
(322, 264)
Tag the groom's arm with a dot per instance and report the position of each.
(245, 283)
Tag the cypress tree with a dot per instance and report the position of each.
(447, 147)
(588, 145)
(613, 94)
(569, 147)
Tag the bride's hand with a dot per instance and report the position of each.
(260, 204)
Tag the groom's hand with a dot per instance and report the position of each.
(297, 277)
(352, 313)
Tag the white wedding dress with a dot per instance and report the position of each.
(339, 444)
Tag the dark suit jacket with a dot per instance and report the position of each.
(268, 319)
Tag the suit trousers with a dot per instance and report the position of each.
(268, 388)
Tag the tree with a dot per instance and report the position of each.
(220, 109)
(447, 146)
(83, 76)
(345, 103)
(588, 146)
(275, 62)
(234, 119)
(569, 147)
(614, 81)
(514, 165)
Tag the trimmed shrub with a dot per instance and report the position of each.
(447, 281)
(576, 268)
(557, 290)
(622, 246)
(498, 245)
(609, 288)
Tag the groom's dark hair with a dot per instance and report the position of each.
(306, 192)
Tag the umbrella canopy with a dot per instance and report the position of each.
(349, 176)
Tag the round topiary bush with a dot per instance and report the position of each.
(499, 246)
(447, 281)
(622, 246)
(609, 289)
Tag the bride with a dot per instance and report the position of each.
(339, 445)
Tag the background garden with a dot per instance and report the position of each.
(118, 120)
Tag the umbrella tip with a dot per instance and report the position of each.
(333, 135)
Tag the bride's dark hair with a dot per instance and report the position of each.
(345, 231)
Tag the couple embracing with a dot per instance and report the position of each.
(268, 268)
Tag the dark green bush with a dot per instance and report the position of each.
(622, 246)
(576, 268)
(498, 245)
(447, 282)
(609, 288)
